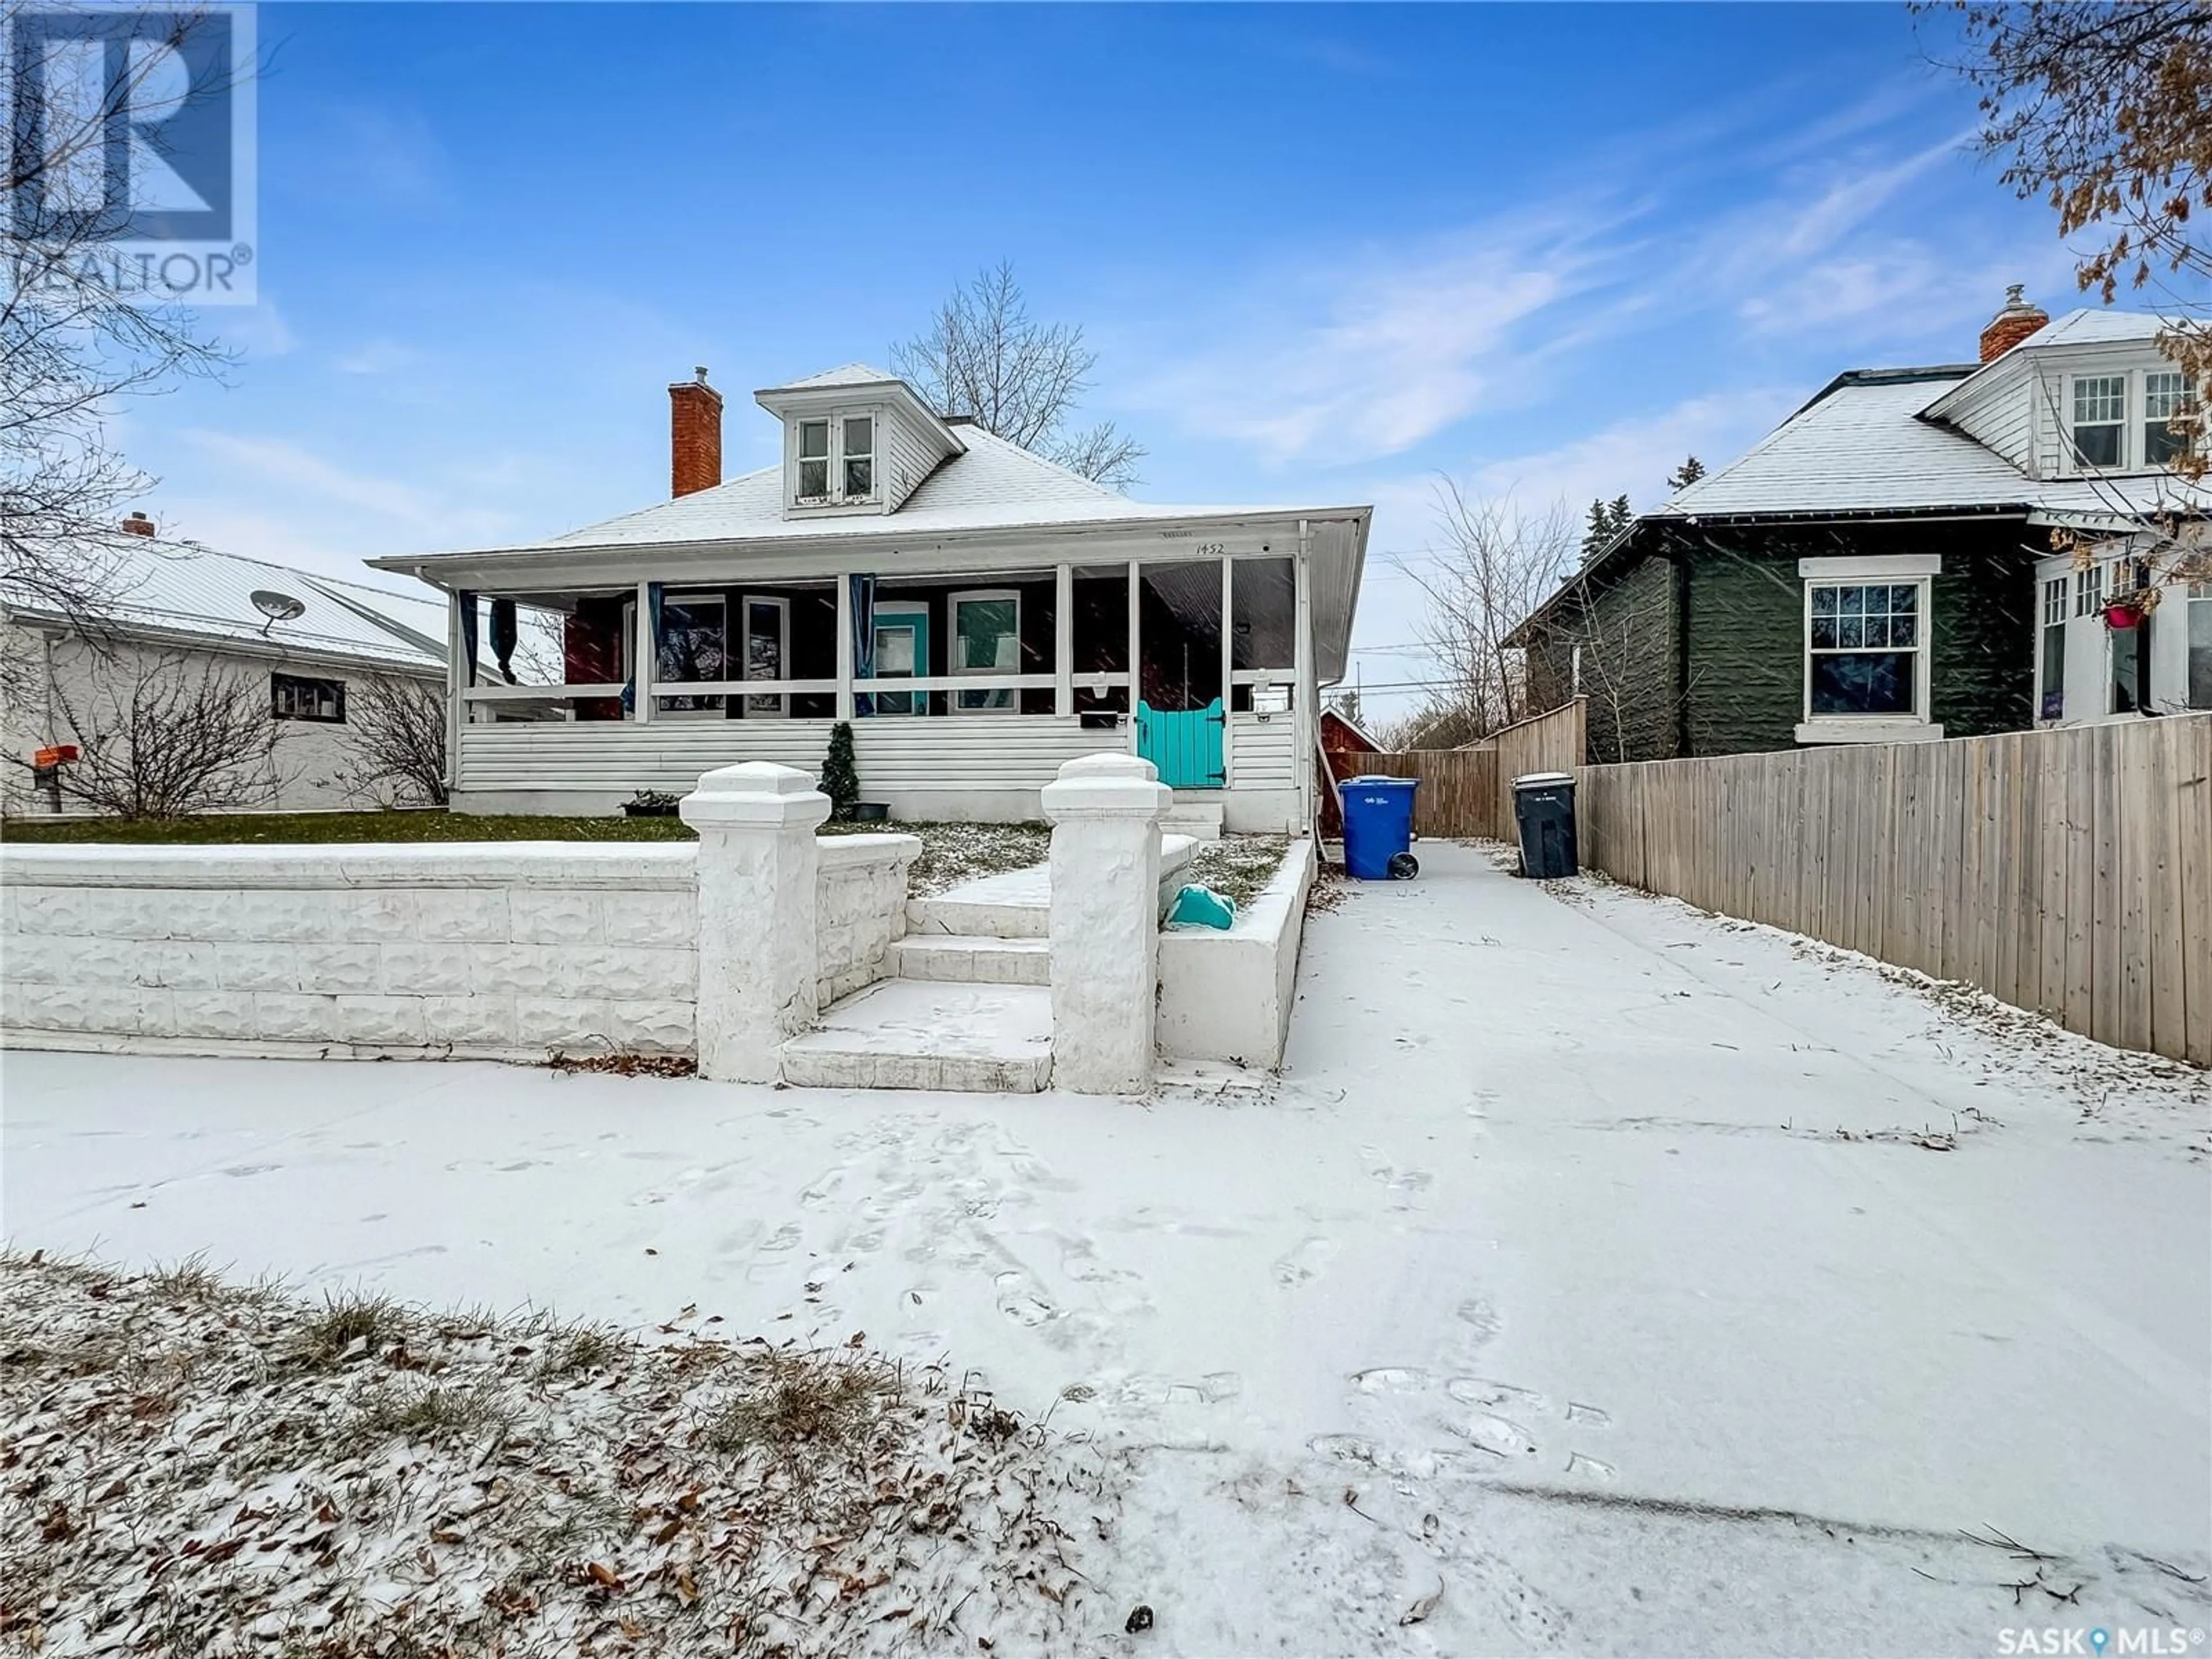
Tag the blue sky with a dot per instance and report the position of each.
(1323, 254)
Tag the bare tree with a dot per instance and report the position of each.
(1495, 565)
(399, 742)
(165, 734)
(71, 346)
(2105, 112)
(983, 355)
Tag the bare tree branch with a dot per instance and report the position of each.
(398, 731)
(984, 355)
(165, 734)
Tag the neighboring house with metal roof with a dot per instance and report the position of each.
(980, 615)
(1882, 566)
(175, 614)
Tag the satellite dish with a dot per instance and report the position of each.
(277, 607)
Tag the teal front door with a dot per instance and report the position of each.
(1186, 747)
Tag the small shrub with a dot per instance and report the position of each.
(841, 779)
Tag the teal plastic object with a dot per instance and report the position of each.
(1201, 906)
(1186, 747)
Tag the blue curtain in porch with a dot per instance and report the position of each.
(863, 640)
(468, 604)
(652, 633)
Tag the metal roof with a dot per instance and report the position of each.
(183, 590)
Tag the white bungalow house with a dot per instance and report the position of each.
(979, 614)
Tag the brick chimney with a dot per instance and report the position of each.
(694, 435)
(137, 523)
(2014, 324)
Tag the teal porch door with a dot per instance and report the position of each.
(1186, 747)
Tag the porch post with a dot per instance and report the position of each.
(1105, 922)
(759, 944)
(1304, 695)
(641, 682)
(845, 645)
(1136, 591)
(1228, 670)
(457, 711)
(1063, 641)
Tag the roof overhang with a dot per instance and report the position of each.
(785, 402)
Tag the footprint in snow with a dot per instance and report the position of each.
(1390, 1379)
(1022, 1302)
(1304, 1262)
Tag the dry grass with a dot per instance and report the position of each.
(1239, 867)
(194, 1469)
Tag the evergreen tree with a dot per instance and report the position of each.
(1606, 520)
(840, 780)
(1688, 473)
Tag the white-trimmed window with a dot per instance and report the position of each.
(695, 645)
(298, 697)
(1867, 648)
(2050, 672)
(1865, 642)
(2099, 420)
(833, 458)
(2088, 590)
(2164, 396)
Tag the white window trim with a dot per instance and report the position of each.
(745, 665)
(1919, 569)
(2061, 582)
(837, 501)
(2130, 401)
(952, 602)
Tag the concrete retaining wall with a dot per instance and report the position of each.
(1227, 994)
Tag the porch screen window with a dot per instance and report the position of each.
(986, 639)
(860, 457)
(296, 697)
(2200, 645)
(1263, 601)
(694, 646)
(814, 460)
(2162, 401)
(2100, 404)
(1863, 647)
(2051, 683)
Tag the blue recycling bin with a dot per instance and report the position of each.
(1379, 827)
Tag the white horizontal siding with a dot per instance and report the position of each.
(891, 754)
(1263, 752)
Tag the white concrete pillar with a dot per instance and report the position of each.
(1105, 811)
(759, 952)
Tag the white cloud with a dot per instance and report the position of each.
(1634, 457)
(1389, 350)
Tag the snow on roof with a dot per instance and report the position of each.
(183, 588)
(846, 374)
(2098, 327)
(995, 485)
(1861, 446)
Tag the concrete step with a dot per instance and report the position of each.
(925, 1034)
(1200, 817)
(978, 959)
(970, 913)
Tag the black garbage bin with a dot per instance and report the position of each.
(1544, 811)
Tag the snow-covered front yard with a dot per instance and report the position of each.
(1598, 1277)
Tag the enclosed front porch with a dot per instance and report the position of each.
(966, 690)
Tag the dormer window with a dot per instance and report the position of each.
(860, 457)
(833, 460)
(2101, 408)
(2163, 399)
(814, 460)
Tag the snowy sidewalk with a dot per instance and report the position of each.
(1592, 1259)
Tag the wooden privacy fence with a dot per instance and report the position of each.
(2066, 870)
(1458, 794)
(1469, 791)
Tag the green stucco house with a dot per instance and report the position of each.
(1882, 566)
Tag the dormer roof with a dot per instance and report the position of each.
(862, 382)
